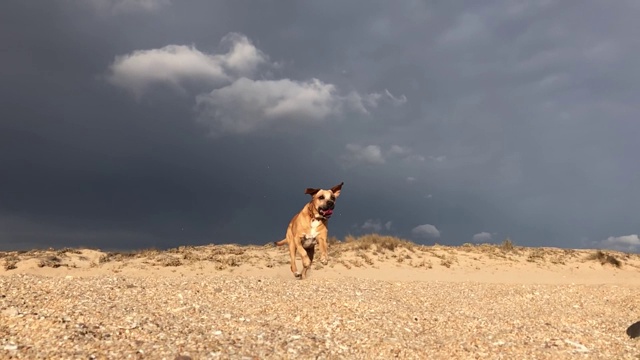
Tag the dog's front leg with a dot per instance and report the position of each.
(322, 243)
(306, 261)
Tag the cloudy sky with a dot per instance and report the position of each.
(137, 123)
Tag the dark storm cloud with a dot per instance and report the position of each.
(503, 118)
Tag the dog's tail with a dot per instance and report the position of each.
(281, 242)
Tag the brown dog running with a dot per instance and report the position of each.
(309, 227)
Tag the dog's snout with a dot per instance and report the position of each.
(330, 203)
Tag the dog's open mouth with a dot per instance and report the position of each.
(326, 213)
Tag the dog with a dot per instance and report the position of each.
(309, 227)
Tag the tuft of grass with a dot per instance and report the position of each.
(64, 251)
(50, 261)
(11, 262)
(507, 245)
(381, 242)
(535, 254)
(122, 255)
(169, 260)
(468, 247)
(446, 263)
(422, 264)
(233, 261)
(356, 262)
(605, 258)
(332, 240)
(558, 260)
(368, 260)
(222, 261)
(191, 256)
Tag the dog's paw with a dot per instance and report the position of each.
(324, 261)
(297, 275)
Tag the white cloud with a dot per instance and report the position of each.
(370, 154)
(411, 179)
(374, 225)
(414, 158)
(398, 150)
(396, 101)
(243, 57)
(387, 225)
(247, 105)
(360, 102)
(404, 153)
(426, 230)
(177, 65)
(375, 155)
(482, 237)
(371, 225)
(630, 243)
(238, 103)
(440, 158)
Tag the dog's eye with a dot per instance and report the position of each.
(321, 197)
(333, 197)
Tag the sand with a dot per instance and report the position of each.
(378, 298)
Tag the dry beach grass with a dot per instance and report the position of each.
(379, 297)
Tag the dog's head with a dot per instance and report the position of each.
(324, 201)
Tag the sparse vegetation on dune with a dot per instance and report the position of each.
(377, 242)
(50, 261)
(10, 262)
(507, 245)
(604, 258)
(365, 251)
(118, 256)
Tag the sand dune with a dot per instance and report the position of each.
(378, 258)
(497, 301)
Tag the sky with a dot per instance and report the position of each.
(157, 123)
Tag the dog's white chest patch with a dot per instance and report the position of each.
(315, 224)
(309, 239)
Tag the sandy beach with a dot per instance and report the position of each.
(378, 298)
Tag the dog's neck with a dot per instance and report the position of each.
(314, 215)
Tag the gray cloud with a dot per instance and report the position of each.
(115, 7)
(482, 237)
(519, 117)
(426, 230)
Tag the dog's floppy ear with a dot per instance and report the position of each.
(336, 189)
(311, 191)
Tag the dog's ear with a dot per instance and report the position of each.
(311, 191)
(336, 189)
